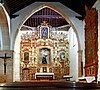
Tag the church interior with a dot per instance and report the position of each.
(49, 44)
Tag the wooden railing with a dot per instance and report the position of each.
(51, 85)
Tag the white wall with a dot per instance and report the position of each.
(97, 6)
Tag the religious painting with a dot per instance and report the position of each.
(26, 56)
(44, 56)
(44, 32)
(62, 55)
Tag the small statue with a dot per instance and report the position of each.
(44, 61)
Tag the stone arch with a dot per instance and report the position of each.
(61, 13)
(56, 10)
(5, 41)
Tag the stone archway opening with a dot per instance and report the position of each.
(73, 47)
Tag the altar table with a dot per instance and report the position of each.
(44, 76)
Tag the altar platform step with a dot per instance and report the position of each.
(49, 85)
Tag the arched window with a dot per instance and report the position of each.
(26, 56)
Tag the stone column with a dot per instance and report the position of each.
(80, 63)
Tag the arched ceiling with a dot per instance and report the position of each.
(78, 6)
(48, 15)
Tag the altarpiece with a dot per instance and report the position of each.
(44, 50)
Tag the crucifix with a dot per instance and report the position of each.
(5, 63)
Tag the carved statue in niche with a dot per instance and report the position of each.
(44, 60)
(44, 56)
(62, 55)
(26, 56)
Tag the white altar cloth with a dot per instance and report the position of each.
(67, 77)
(37, 74)
(88, 79)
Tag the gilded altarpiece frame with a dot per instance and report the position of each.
(35, 42)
